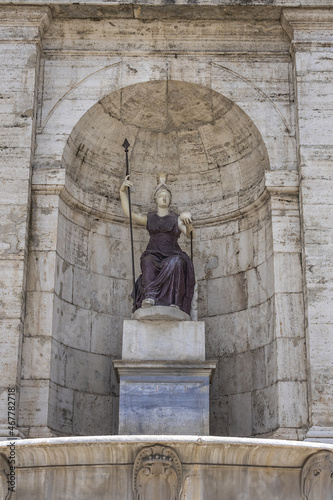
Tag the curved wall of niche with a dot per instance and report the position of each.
(215, 159)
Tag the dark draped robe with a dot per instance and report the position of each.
(167, 272)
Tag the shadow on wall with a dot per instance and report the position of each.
(215, 159)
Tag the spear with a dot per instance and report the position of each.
(126, 145)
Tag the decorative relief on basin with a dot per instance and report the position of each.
(317, 477)
(157, 473)
(5, 493)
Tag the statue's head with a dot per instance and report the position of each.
(162, 195)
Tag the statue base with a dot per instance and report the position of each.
(160, 312)
(167, 397)
(164, 377)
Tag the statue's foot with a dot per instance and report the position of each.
(148, 303)
(174, 305)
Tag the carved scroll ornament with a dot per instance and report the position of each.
(157, 474)
(5, 493)
(317, 477)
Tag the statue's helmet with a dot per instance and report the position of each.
(162, 187)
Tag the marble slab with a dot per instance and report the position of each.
(163, 340)
(164, 397)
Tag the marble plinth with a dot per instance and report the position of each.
(163, 339)
(167, 397)
(164, 378)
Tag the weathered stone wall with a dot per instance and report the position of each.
(312, 46)
(207, 94)
(237, 301)
(36, 353)
(19, 58)
(210, 147)
(91, 301)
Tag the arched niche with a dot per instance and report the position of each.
(196, 135)
(215, 159)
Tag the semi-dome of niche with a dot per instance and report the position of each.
(213, 153)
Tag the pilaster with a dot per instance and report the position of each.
(311, 34)
(288, 349)
(21, 30)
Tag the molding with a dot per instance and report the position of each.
(125, 367)
(6, 434)
(72, 202)
(23, 23)
(282, 181)
(219, 55)
(56, 451)
(47, 189)
(308, 25)
(320, 434)
(275, 181)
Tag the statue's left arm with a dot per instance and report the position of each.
(185, 224)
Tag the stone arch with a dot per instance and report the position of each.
(212, 149)
(122, 73)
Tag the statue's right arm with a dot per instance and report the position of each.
(138, 218)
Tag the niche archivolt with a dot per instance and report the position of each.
(213, 153)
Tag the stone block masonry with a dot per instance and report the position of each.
(20, 51)
(234, 102)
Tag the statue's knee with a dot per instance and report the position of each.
(178, 261)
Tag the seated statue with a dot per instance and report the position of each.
(167, 277)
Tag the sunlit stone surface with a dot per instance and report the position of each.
(234, 102)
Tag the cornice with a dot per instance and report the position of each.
(276, 182)
(23, 23)
(306, 26)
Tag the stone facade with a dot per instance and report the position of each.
(235, 103)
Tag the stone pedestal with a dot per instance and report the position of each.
(164, 378)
